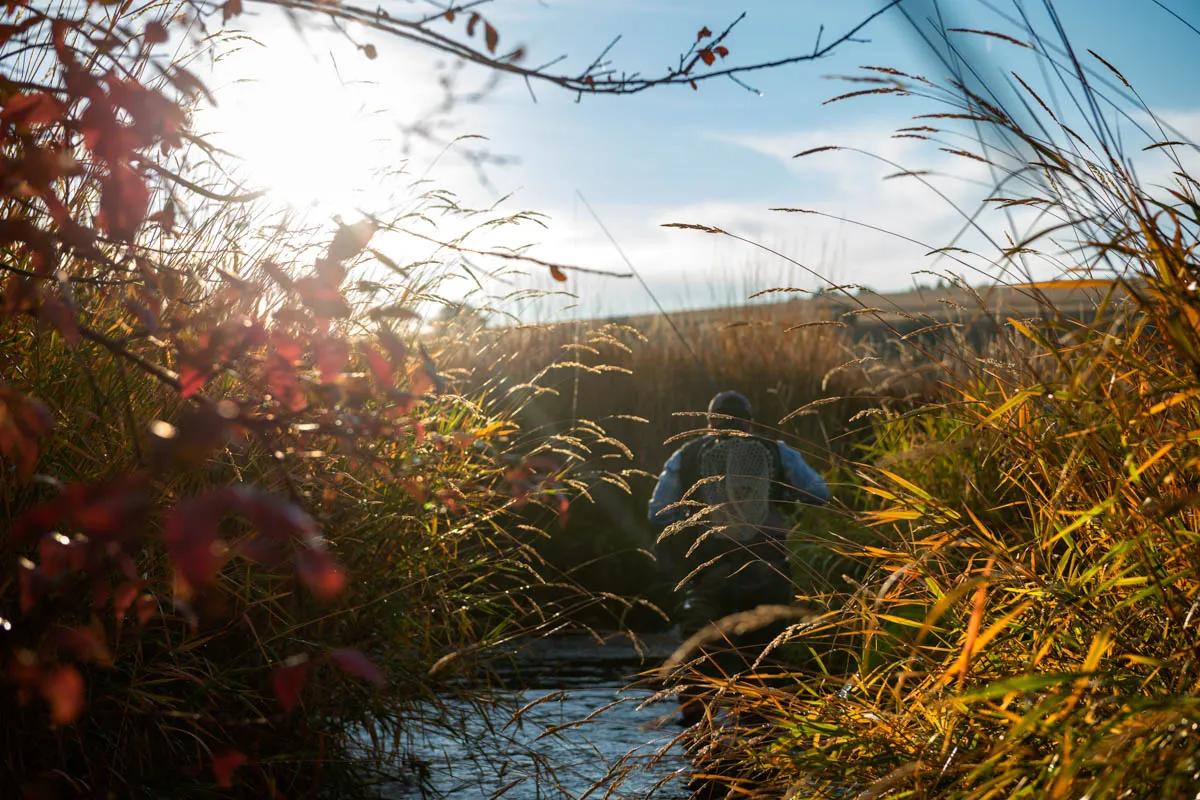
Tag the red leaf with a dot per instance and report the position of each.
(230, 10)
(194, 371)
(24, 421)
(557, 273)
(490, 36)
(318, 570)
(102, 510)
(190, 535)
(721, 50)
(430, 370)
(284, 385)
(331, 356)
(62, 687)
(471, 23)
(38, 108)
(288, 680)
(59, 555)
(85, 643)
(124, 201)
(703, 32)
(420, 382)
(285, 346)
(353, 662)
(707, 56)
(189, 84)
(147, 316)
(123, 598)
(32, 584)
(449, 15)
(225, 762)
(276, 517)
(323, 296)
(59, 314)
(156, 33)
(380, 366)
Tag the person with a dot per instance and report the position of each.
(718, 510)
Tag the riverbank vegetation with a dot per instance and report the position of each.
(253, 524)
(1025, 627)
(264, 512)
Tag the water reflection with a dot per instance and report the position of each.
(571, 730)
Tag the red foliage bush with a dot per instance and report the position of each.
(198, 430)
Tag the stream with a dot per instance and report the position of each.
(621, 751)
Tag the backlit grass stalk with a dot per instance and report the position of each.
(1028, 625)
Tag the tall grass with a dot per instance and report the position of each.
(1026, 625)
(613, 398)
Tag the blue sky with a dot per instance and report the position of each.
(719, 155)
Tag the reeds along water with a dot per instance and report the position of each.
(1025, 624)
(611, 399)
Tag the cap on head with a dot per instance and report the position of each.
(730, 404)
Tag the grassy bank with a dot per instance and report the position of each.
(1025, 624)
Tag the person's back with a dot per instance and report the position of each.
(718, 510)
(727, 489)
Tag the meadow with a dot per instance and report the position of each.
(265, 517)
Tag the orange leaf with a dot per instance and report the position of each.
(707, 56)
(702, 33)
(557, 273)
(721, 50)
(323, 576)
(490, 36)
(63, 689)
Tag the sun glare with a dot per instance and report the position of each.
(302, 130)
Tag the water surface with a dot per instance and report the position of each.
(580, 732)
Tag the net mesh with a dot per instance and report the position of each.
(737, 473)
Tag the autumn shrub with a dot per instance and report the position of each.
(1026, 624)
(251, 524)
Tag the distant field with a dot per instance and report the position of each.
(924, 305)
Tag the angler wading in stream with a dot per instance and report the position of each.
(718, 509)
